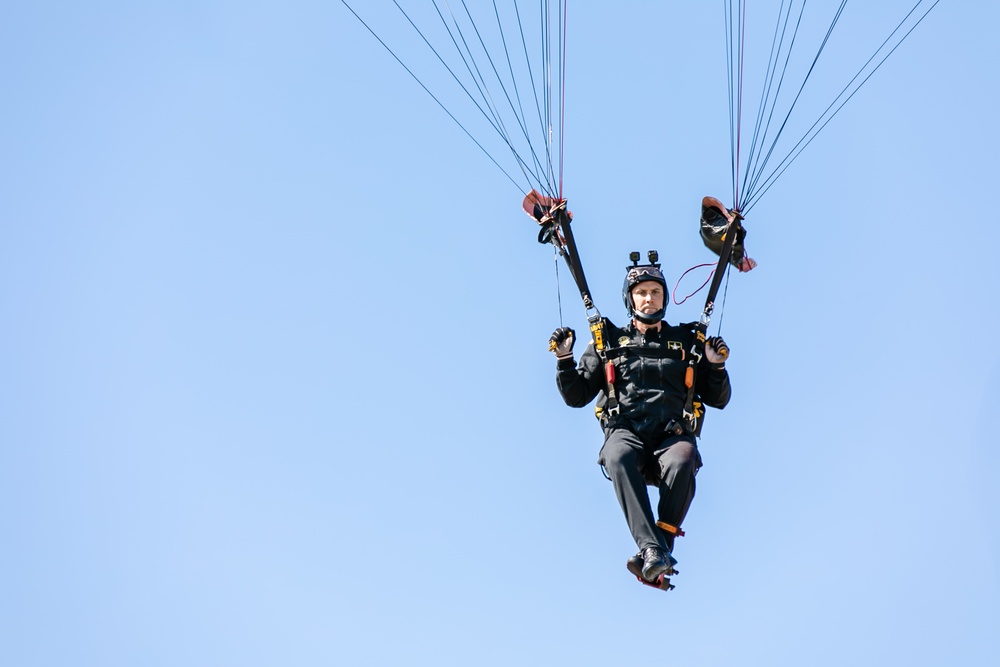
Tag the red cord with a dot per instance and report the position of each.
(673, 294)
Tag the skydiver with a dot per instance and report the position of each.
(647, 440)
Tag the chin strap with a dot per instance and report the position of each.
(652, 319)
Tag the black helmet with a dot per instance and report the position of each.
(641, 273)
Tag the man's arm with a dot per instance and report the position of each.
(577, 384)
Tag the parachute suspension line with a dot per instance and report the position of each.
(467, 57)
(729, 74)
(824, 118)
(722, 309)
(768, 99)
(519, 112)
(498, 129)
(494, 117)
(739, 102)
(554, 93)
(434, 97)
(759, 174)
(531, 76)
(733, 47)
(473, 69)
(555, 257)
(547, 61)
(490, 113)
(545, 84)
(562, 98)
(518, 115)
(491, 121)
(755, 177)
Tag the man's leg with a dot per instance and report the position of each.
(678, 463)
(622, 457)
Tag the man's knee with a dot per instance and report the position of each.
(617, 454)
(680, 458)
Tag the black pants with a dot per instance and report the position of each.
(671, 466)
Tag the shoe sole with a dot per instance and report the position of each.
(654, 573)
(635, 567)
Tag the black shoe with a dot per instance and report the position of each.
(634, 564)
(655, 563)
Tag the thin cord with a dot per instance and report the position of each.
(555, 257)
(751, 182)
(562, 100)
(673, 294)
(810, 134)
(755, 184)
(722, 310)
(433, 97)
(534, 92)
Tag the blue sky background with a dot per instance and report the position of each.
(274, 386)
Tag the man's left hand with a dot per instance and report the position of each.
(716, 350)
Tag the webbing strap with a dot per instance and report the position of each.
(701, 327)
(557, 229)
(567, 247)
(673, 530)
(569, 253)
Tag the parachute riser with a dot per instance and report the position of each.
(564, 236)
(701, 327)
(732, 231)
(569, 253)
(556, 228)
(564, 230)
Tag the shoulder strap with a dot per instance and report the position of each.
(600, 327)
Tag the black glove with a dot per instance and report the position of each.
(716, 350)
(561, 342)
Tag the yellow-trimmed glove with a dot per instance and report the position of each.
(716, 350)
(561, 342)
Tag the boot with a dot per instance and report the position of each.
(654, 563)
(634, 564)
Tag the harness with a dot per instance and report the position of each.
(617, 353)
(554, 218)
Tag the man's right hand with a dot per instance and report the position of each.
(561, 342)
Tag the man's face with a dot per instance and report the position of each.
(648, 296)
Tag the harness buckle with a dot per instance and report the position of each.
(673, 428)
(604, 415)
(692, 421)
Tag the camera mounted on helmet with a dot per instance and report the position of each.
(638, 273)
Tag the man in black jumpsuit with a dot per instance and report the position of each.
(647, 440)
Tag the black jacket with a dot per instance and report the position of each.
(649, 378)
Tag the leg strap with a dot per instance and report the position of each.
(673, 530)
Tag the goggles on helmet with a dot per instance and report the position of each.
(638, 274)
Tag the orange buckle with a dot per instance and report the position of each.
(673, 530)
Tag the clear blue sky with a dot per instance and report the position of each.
(274, 386)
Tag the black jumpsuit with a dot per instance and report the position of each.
(638, 447)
